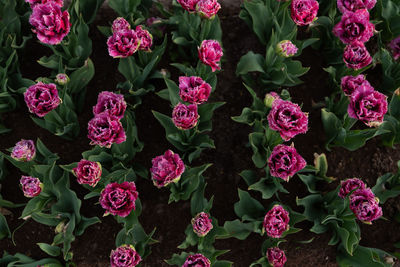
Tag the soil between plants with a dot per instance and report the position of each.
(230, 157)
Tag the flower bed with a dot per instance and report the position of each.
(205, 181)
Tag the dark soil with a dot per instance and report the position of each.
(230, 157)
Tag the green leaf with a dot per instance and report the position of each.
(248, 208)
(250, 62)
(362, 257)
(4, 229)
(240, 230)
(81, 77)
(173, 92)
(51, 250)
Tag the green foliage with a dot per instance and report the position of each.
(139, 72)
(330, 212)
(189, 182)
(189, 30)
(21, 260)
(339, 133)
(363, 256)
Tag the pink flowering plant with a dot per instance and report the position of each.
(203, 229)
(52, 108)
(351, 200)
(52, 201)
(189, 123)
(277, 68)
(191, 22)
(135, 48)
(275, 223)
(12, 40)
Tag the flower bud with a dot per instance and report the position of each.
(365, 205)
(394, 46)
(353, 5)
(208, 8)
(347, 186)
(288, 119)
(284, 162)
(356, 56)
(286, 48)
(368, 105)
(303, 12)
(270, 98)
(123, 43)
(210, 53)
(194, 89)
(354, 26)
(105, 130)
(88, 172)
(110, 103)
(276, 221)
(146, 39)
(276, 257)
(202, 224)
(24, 150)
(124, 256)
(120, 24)
(62, 79)
(49, 22)
(197, 260)
(119, 199)
(166, 169)
(185, 117)
(42, 98)
(31, 186)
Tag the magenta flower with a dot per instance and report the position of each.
(185, 117)
(50, 24)
(88, 172)
(119, 199)
(349, 185)
(284, 162)
(276, 221)
(210, 53)
(166, 169)
(353, 5)
(24, 150)
(194, 89)
(303, 12)
(208, 8)
(31, 186)
(368, 105)
(286, 48)
(365, 205)
(123, 43)
(356, 56)
(120, 24)
(146, 39)
(288, 119)
(105, 130)
(202, 224)
(276, 257)
(111, 104)
(197, 260)
(188, 5)
(124, 256)
(350, 83)
(42, 98)
(394, 46)
(33, 3)
(354, 26)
